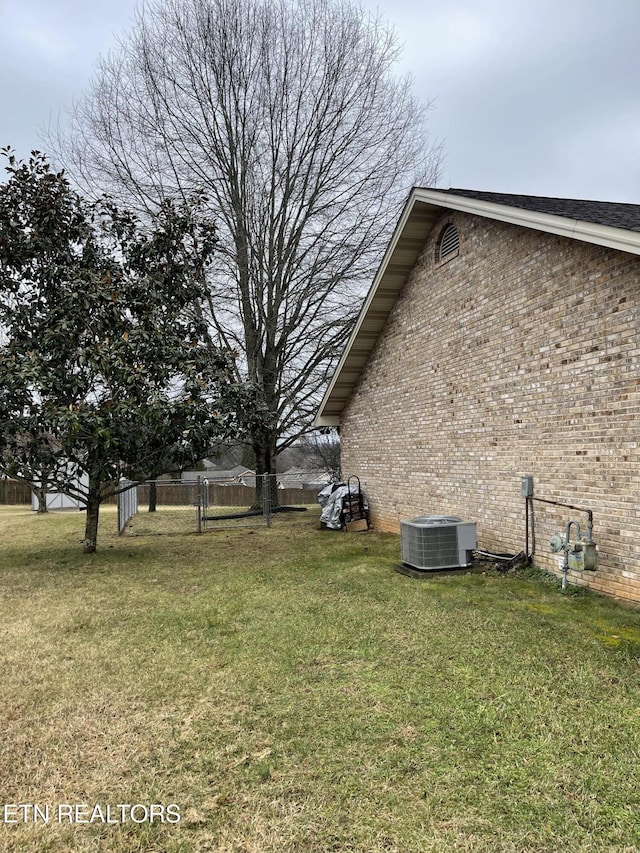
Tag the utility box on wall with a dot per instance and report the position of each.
(527, 487)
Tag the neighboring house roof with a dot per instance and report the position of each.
(610, 224)
(302, 478)
(234, 475)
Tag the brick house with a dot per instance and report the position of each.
(499, 340)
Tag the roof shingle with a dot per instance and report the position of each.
(614, 214)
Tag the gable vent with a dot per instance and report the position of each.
(449, 243)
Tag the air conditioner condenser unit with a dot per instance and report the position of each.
(433, 542)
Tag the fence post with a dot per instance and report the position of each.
(120, 507)
(266, 499)
(199, 506)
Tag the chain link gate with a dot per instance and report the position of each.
(208, 519)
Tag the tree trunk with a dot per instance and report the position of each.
(153, 496)
(41, 490)
(91, 527)
(265, 454)
(41, 496)
(248, 457)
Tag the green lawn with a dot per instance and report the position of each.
(289, 691)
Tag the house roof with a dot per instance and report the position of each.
(610, 224)
(302, 478)
(216, 475)
(613, 214)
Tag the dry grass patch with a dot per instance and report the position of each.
(290, 692)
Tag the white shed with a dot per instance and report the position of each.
(60, 500)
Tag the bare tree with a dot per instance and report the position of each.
(289, 116)
(318, 451)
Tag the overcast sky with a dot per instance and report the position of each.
(530, 96)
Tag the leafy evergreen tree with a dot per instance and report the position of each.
(106, 364)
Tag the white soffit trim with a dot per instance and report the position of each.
(602, 235)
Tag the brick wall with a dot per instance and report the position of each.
(517, 357)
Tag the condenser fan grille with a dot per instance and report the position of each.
(431, 546)
(437, 542)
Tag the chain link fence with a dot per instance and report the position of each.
(187, 506)
(127, 500)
